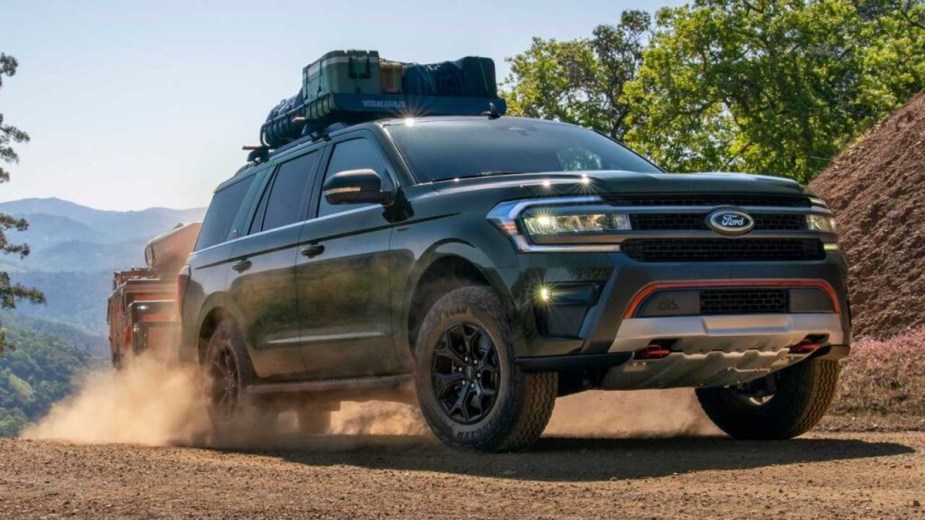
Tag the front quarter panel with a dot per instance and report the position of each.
(442, 225)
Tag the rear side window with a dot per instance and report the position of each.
(216, 226)
(288, 194)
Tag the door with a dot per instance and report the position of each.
(263, 271)
(343, 276)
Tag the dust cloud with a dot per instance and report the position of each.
(378, 418)
(151, 402)
(158, 403)
(636, 414)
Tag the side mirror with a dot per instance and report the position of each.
(355, 187)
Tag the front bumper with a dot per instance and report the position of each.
(706, 350)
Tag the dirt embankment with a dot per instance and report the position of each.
(877, 190)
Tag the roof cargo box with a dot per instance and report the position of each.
(342, 72)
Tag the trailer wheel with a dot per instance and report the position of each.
(227, 373)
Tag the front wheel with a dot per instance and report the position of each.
(471, 392)
(783, 405)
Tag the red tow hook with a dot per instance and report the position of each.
(805, 347)
(652, 352)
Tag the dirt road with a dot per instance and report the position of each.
(878, 475)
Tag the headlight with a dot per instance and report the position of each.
(820, 223)
(574, 224)
(560, 224)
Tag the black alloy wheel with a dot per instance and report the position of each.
(224, 377)
(465, 373)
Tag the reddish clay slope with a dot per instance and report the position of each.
(877, 190)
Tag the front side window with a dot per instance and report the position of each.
(288, 193)
(216, 226)
(355, 154)
(441, 150)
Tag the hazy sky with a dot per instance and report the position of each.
(134, 104)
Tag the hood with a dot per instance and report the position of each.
(601, 182)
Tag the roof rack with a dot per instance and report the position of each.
(347, 87)
(318, 115)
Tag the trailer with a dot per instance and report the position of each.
(142, 310)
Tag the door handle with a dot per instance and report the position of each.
(242, 266)
(312, 251)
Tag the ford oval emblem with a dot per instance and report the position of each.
(730, 222)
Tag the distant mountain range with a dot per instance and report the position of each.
(117, 225)
(65, 236)
(75, 250)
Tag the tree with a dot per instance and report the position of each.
(762, 86)
(580, 81)
(10, 292)
(772, 86)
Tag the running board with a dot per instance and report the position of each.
(386, 388)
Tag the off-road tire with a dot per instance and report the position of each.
(314, 422)
(227, 338)
(524, 401)
(802, 396)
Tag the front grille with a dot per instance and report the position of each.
(697, 221)
(723, 250)
(706, 199)
(743, 301)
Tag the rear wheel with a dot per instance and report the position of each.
(471, 392)
(227, 372)
(783, 405)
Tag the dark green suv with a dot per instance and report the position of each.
(491, 264)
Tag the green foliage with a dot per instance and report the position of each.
(766, 86)
(39, 371)
(11, 292)
(580, 81)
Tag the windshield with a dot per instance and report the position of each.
(440, 150)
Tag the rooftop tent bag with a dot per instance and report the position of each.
(342, 72)
(279, 130)
(436, 79)
(478, 76)
(470, 76)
